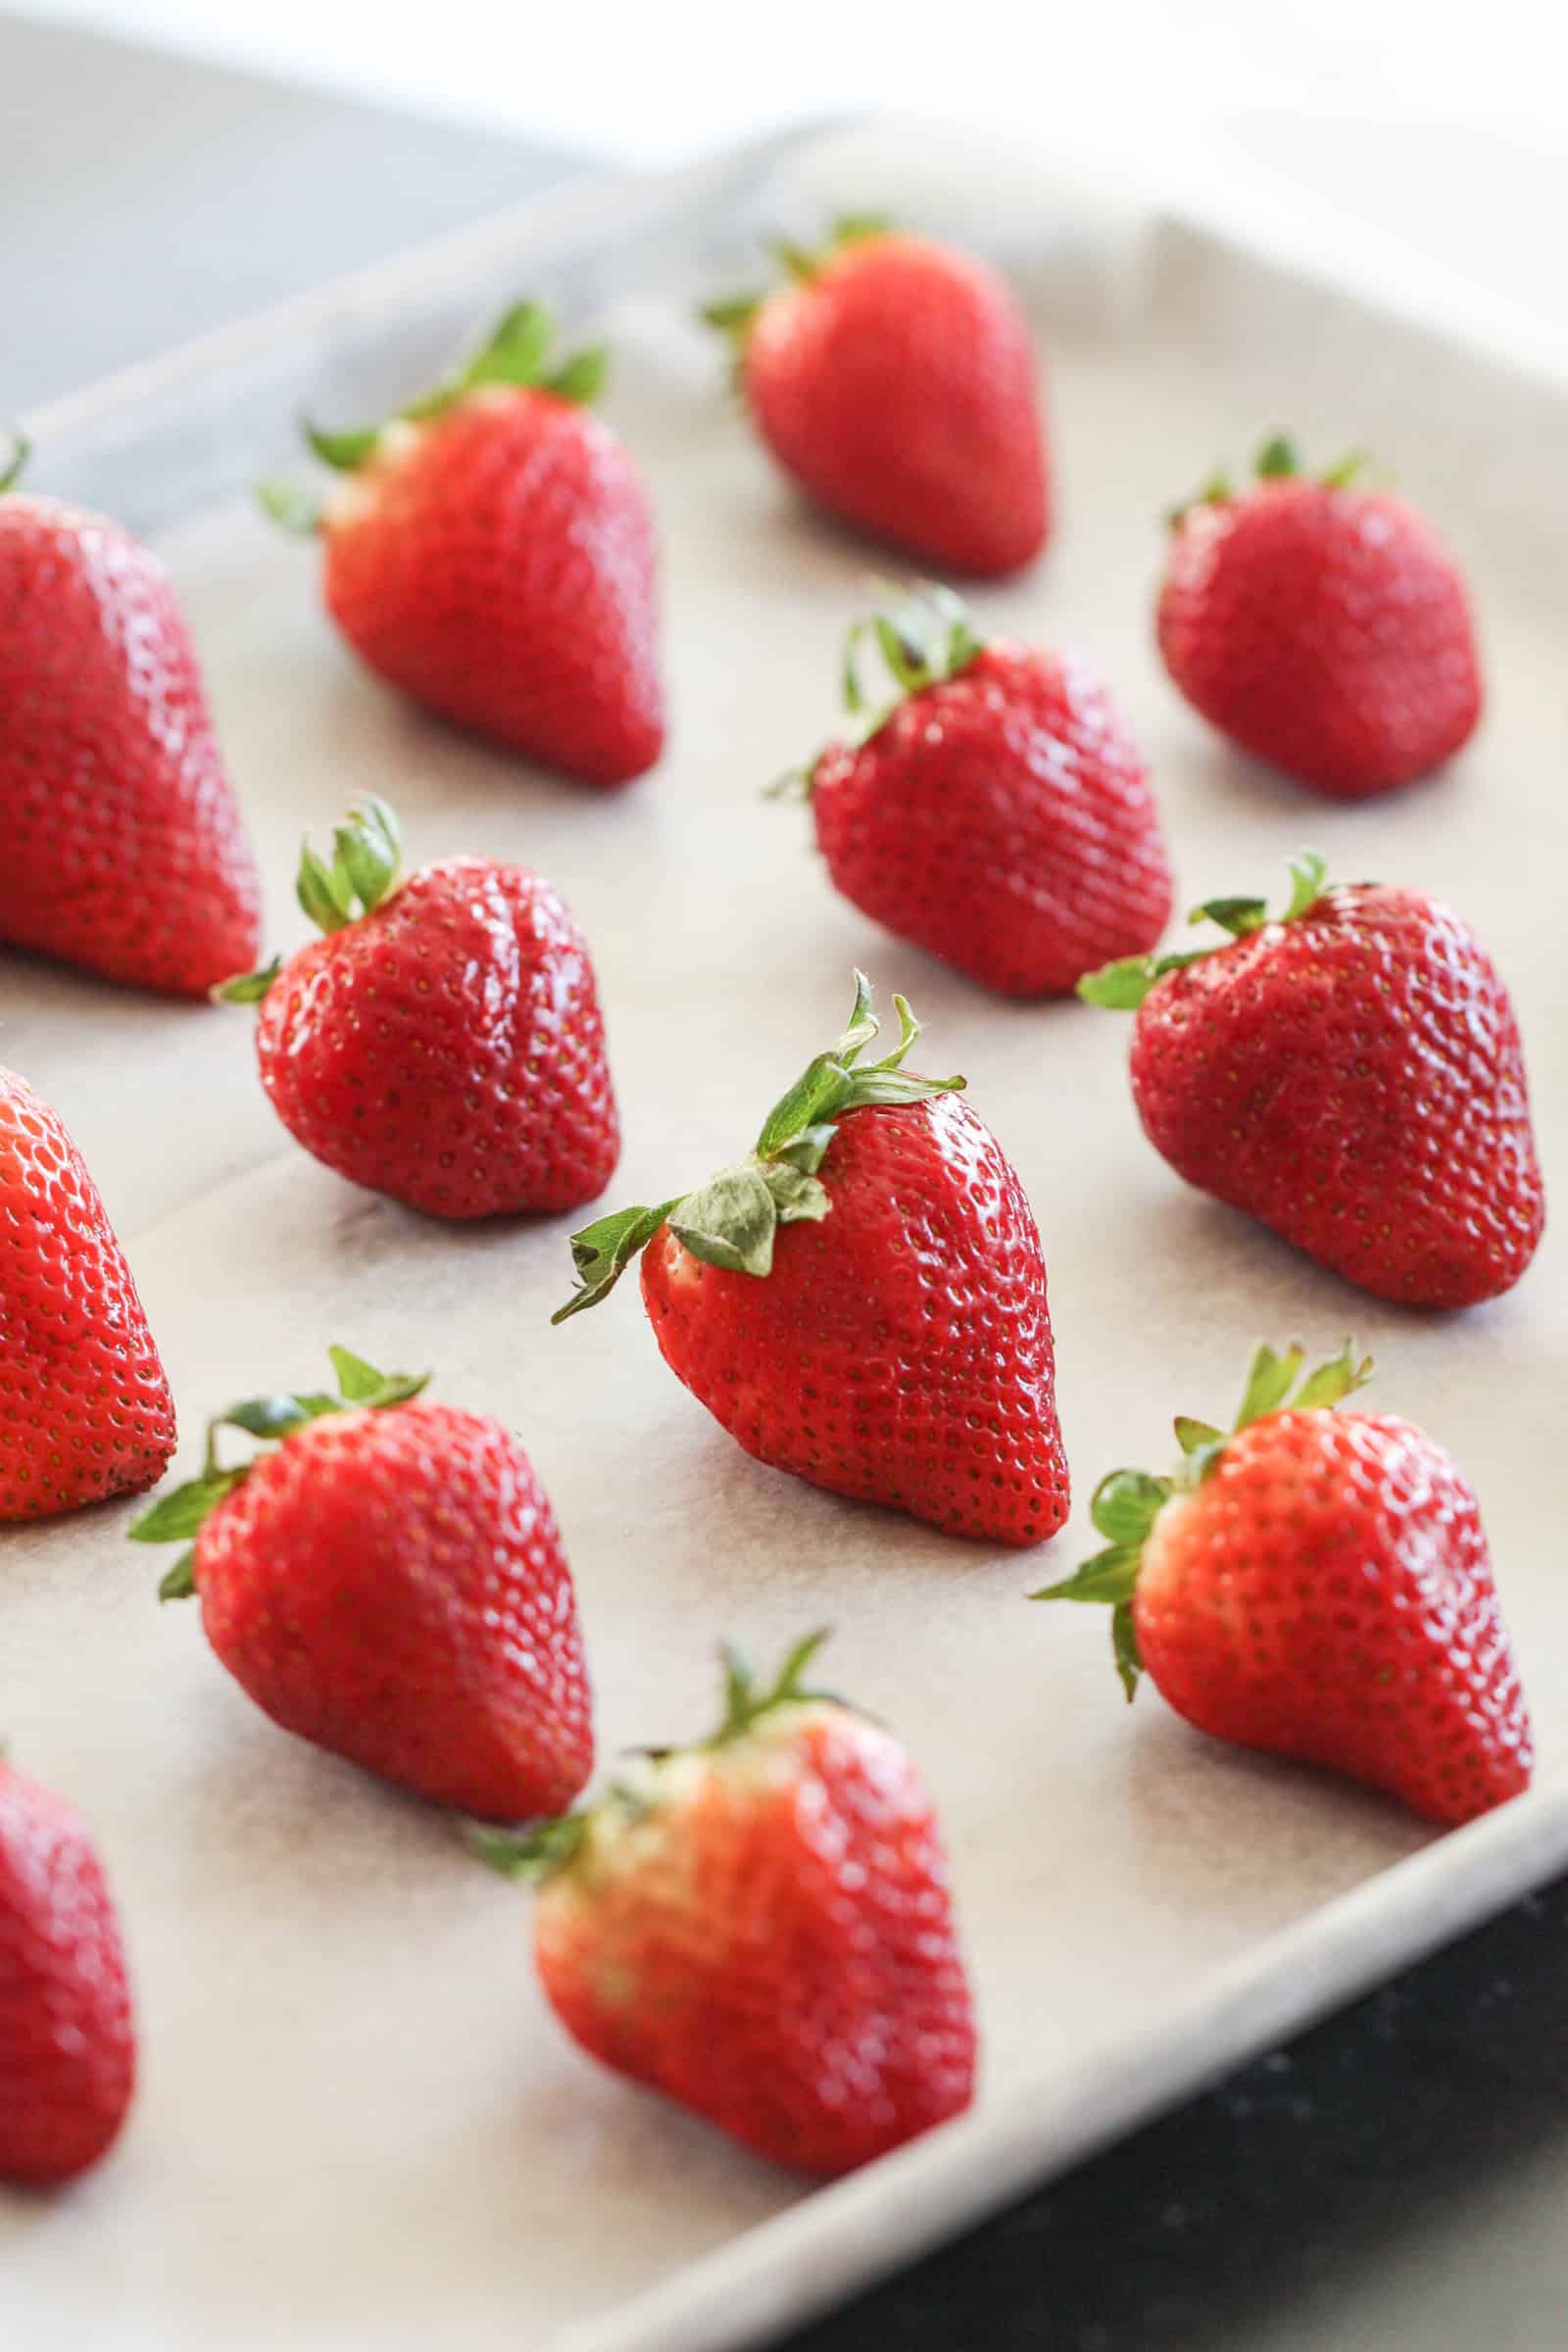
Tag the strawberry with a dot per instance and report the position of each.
(996, 810)
(491, 553)
(68, 2050)
(85, 1410)
(862, 1301)
(894, 380)
(1322, 626)
(442, 1044)
(1316, 1584)
(760, 1926)
(125, 850)
(389, 1583)
(1350, 1074)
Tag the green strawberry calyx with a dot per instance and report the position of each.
(733, 314)
(177, 1516)
(11, 466)
(1121, 987)
(733, 1220)
(539, 1851)
(925, 635)
(364, 871)
(1127, 1502)
(516, 353)
(1276, 461)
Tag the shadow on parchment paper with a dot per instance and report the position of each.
(1255, 2214)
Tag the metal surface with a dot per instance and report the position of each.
(1141, 1909)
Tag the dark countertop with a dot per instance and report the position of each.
(1398, 2177)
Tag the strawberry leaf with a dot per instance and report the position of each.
(248, 987)
(1269, 1382)
(1124, 1648)
(1110, 1576)
(1126, 1504)
(179, 1582)
(177, 1515)
(1277, 460)
(21, 451)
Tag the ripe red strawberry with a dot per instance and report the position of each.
(996, 811)
(895, 380)
(68, 2049)
(1318, 1585)
(862, 1301)
(443, 1042)
(492, 553)
(125, 850)
(760, 1926)
(389, 1583)
(1351, 1075)
(1321, 626)
(85, 1406)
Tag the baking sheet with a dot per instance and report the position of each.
(358, 2123)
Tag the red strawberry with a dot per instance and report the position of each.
(760, 1926)
(996, 811)
(1351, 1075)
(492, 553)
(1321, 626)
(443, 1042)
(1316, 1584)
(84, 1407)
(68, 2051)
(895, 380)
(862, 1301)
(124, 846)
(390, 1584)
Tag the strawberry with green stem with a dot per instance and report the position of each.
(491, 552)
(1316, 1584)
(862, 1301)
(1321, 625)
(388, 1581)
(442, 1043)
(993, 810)
(760, 1926)
(1350, 1073)
(894, 380)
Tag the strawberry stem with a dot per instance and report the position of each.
(925, 635)
(1122, 986)
(515, 352)
(176, 1515)
(21, 451)
(733, 1220)
(366, 868)
(1127, 1502)
(733, 316)
(536, 1853)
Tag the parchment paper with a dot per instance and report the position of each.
(358, 2123)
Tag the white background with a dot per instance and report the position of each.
(658, 82)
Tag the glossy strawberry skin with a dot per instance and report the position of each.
(772, 1944)
(1326, 632)
(897, 388)
(1354, 1080)
(448, 1048)
(391, 1586)
(900, 1351)
(1326, 1595)
(124, 846)
(68, 2055)
(498, 564)
(85, 1410)
(1000, 820)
